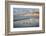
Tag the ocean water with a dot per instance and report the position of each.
(25, 21)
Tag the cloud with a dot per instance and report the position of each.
(24, 10)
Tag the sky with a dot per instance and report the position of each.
(24, 10)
